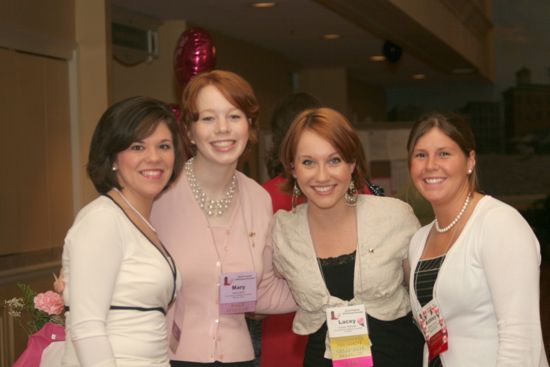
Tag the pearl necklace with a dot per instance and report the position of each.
(209, 206)
(457, 218)
(135, 210)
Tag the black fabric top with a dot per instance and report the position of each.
(425, 276)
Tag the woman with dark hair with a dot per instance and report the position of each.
(341, 249)
(119, 278)
(475, 286)
(216, 222)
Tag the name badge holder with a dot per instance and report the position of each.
(434, 329)
(175, 335)
(237, 292)
(349, 336)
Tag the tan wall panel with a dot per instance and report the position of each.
(32, 189)
(36, 208)
(58, 147)
(154, 79)
(330, 85)
(93, 71)
(366, 102)
(39, 27)
(52, 17)
(9, 145)
(7, 11)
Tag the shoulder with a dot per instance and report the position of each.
(384, 206)
(493, 211)
(287, 222)
(287, 217)
(388, 217)
(98, 208)
(100, 213)
(496, 218)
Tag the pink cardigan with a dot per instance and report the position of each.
(207, 335)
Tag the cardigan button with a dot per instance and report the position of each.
(371, 250)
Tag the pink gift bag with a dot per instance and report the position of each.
(38, 341)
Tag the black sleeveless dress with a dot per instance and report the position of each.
(396, 343)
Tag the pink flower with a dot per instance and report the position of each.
(49, 302)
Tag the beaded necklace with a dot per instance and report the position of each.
(209, 206)
(457, 218)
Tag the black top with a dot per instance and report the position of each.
(425, 276)
(396, 343)
(338, 275)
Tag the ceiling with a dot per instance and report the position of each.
(294, 28)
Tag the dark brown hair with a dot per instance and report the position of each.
(285, 112)
(124, 123)
(455, 127)
(332, 126)
(233, 87)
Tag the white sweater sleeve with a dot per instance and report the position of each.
(511, 260)
(95, 255)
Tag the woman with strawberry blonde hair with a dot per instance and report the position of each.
(342, 249)
(216, 222)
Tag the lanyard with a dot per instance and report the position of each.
(249, 234)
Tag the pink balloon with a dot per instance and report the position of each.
(194, 54)
(176, 110)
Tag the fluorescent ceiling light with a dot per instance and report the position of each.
(331, 36)
(377, 58)
(263, 4)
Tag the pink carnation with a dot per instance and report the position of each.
(49, 302)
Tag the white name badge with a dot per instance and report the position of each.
(349, 336)
(237, 292)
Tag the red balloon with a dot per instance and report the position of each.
(194, 54)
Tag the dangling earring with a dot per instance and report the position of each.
(296, 193)
(114, 168)
(351, 195)
(469, 171)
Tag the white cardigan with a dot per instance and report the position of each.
(384, 226)
(488, 290)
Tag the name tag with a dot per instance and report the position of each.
(237, 292)
(349, 336)
(434, 329)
